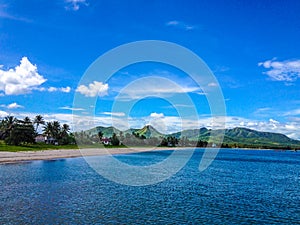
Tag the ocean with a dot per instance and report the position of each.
(239, 187)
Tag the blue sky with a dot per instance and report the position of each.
(252, 47)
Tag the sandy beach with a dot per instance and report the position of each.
(23, 156)
(15, 157)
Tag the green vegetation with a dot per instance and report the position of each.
(33, 147)
(243, 138)
(149, 136)
(22, 135)
(17, 134)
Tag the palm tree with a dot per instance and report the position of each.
(27, 120)
(38, 120)
(7, 125)
(56, 129)
(17, 131)
(100, 135)
(114, 140)
(9, 121)
(65, 129)
(25, 130)
(53, 129)
(48, 129)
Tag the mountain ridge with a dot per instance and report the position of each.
(238, 136)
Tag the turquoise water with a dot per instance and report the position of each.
(240, 187)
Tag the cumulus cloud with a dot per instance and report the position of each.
(75, 4)
(156, 115)
(161, 122)
(23, 79)
(14, 105)
(20, 80)
(93, 89)
(288, 70)
(180, 25)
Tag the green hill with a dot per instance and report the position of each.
(235, 137)
(193, 134)
(242, 136)
(258, 138)
(106, 131)
(148, 131)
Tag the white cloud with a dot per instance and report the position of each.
(164, 124)
(201, 93)
(52, 89)
(75, 4)
(172, 23)
(212, 84)
(70, 108)
(3, 114)
(23, 79)
(65, 89)
(153, 86)
(14, 105)
(61, 89)
(294, 112)
(288, 70)
(264, 109)
(273, 121)
(290, 127)
(119, 114)
(156, 115)
(20, 80)
(175, 106)
(180, 25)
(93, 89)
(5, 15)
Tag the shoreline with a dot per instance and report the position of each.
(27, 156)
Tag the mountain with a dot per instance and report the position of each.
(148, 131)
(193, 134)
(242, 136)
(106, 131)
(253, 137)
(235, 137)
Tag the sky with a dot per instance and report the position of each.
(252, 48)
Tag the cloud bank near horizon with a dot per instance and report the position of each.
(165, 124)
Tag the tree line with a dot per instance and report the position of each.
(135, 139)
(14, 131)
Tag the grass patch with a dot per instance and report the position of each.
(43, 146)
(33, 147)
